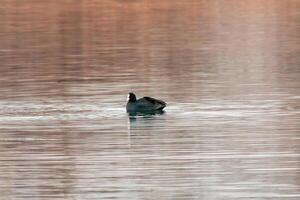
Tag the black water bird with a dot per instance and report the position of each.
(145, 105)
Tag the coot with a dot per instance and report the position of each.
(144, 105)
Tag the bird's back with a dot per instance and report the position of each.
(156, 103)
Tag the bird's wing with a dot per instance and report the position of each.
(158, 104)
(154, 101)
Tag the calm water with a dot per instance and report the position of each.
(229, 70)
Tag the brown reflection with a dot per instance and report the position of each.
(142, 41)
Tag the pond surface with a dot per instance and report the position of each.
(229, 71)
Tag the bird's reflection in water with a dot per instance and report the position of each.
(150, 114)
(142, 122)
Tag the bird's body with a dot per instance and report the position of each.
(144, 105)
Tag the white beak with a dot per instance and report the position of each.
(127, 97)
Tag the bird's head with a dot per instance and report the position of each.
(131, 97)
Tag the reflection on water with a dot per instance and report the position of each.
(229, 72)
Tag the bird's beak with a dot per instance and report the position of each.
(127, 97)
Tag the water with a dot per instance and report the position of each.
(229, 71)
